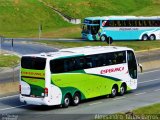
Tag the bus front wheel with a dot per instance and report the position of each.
(103, 38)
(122, 89)
(114, 91)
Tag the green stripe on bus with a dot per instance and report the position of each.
(89, 85)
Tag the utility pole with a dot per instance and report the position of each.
(40, 30)
(12, 44)
(0, 45)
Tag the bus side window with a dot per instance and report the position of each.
(121, 57)
(69, 65)
(57, 66)
(80, 63)
(101, 60)
(111, 58)
(89, 62)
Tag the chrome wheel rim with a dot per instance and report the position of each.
(76, 100)
(145, 38)
(122, 90)
(103, 38)
(151, 37)
(66, 101)
(113, 91)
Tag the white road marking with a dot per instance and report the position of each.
(149, 71)
(149, 81)
(8, 97)
(95, 103)
(157, 90)
(12, 107)
(119, 98)
(140, 93)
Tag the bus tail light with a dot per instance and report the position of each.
(45, 92)
(19, 88)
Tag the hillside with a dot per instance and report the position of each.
(21, 18)
(83, 8)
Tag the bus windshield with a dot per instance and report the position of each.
(93, 29)
(35, 63)
(85, 28)
(90, 26)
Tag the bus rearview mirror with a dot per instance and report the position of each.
(141, 67)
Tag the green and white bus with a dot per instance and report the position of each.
(70, 75)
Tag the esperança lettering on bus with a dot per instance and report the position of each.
(33, 74)
(111, 70)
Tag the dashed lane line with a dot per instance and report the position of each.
(95, 103)
(157, 90)
(12, 107)
(150, 71)
(8, 97)
(140, 93)
(149, 81)
(119, 98)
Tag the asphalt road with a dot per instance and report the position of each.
(146, 94)
(23, 48)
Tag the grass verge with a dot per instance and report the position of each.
(151, 112)
(8, 60)
(9, 88)
(136, 45)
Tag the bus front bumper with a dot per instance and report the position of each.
(89, 37)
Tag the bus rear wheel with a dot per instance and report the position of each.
(145, 37)
(66, 101)
(76, 99)
(152, 37)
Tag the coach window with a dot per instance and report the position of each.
(80, 63)
(120, 57)
(57, 66)
(89, 62)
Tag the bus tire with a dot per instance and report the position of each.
(76, 99)
(103, 38)
(114, 91)
(66, 101)
(152, 37)
(145, 37)
(122, 89)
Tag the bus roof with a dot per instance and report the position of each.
(123, 17)
(80, 51)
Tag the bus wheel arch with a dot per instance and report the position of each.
(76, 98)
(103, 38)
(145, 37)
(152, 37)
(123, 89)
(67, 100)
(114, 91)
